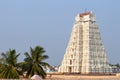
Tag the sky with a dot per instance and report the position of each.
(48, 23)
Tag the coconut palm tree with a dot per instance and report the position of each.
(8, 68)
(34, 62)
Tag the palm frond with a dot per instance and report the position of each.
(34, 61)
(27, 54)
(8, 69)
(44, 64)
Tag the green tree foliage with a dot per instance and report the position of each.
(34, 62)
(117, 65)
(8, 68)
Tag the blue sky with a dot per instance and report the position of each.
(27, 23)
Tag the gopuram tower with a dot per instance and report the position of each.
(85, 53)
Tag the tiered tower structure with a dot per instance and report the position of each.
(85, 52)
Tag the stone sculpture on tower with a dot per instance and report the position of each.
(85, 52)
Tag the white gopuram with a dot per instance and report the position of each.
(85, 52)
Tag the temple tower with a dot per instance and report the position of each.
(85, 52)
